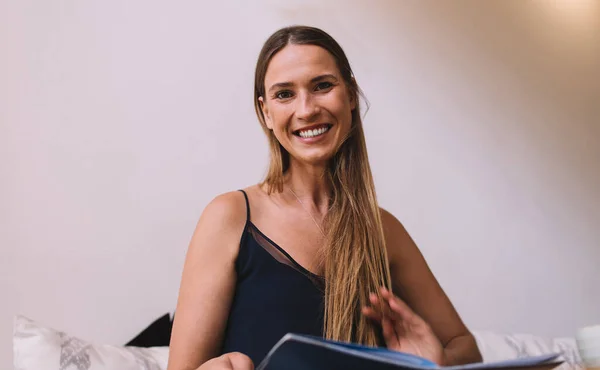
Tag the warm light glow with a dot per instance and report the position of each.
(574, 4)
(576, 14)
(575, 7)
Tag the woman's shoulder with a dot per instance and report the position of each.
(397, 238)
(226, 208)
(389, 221)
(225, 211)
(230, 208)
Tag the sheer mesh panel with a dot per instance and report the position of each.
(283, 257)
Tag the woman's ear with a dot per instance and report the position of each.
(352, 101)
(352, 92)
(265, 112)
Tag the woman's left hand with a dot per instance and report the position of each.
(404, 330)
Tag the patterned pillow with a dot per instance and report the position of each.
(41, 348)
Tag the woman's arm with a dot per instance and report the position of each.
(415, 284)
(207, 284)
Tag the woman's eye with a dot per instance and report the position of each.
(283, 95)
(324, 86)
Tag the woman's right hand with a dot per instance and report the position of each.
(229, 361)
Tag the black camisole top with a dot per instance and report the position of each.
(274, 295)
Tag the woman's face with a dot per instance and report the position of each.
(307, 104)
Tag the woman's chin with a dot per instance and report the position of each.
(313, 159)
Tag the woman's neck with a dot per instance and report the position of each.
(310, 184)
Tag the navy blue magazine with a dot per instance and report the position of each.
(304, 352)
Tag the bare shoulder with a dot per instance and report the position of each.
(387, 218)
(398, 241)
(392, 227)
(226, 210)
(222, 222)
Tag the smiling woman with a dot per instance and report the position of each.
(307, 105)
(308, 250)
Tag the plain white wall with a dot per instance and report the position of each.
(121, 120)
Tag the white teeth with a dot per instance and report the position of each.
(313, 133)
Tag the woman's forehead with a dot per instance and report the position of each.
(296, 63)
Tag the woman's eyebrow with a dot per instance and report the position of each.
(280, 85)
(324, 77)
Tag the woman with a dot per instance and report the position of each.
(308, 250)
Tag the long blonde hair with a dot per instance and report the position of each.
(354, 256)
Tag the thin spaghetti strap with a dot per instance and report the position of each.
(247, 206)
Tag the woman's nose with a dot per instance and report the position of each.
(307, 108)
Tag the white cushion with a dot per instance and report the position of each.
(42, 348)
(37, 347)
(497, 347)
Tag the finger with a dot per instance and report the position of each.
(371, 314)
(374, 299)
(378, 309)
(400, 309)
(383, 305)
(240, 361)
(387, 299)
(379, 305)
(373, 309)
(389, 334)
